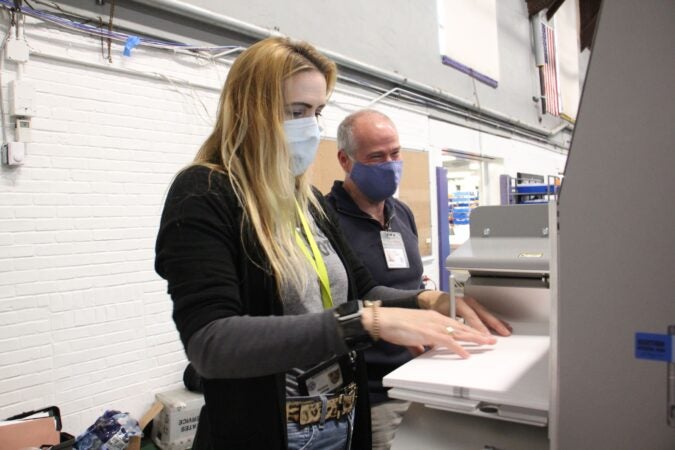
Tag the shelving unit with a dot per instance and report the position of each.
(515, 190)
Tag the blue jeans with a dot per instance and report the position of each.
(333, 434)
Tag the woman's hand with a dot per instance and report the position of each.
(474, 314)
(419, 328)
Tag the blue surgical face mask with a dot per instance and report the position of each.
(303, 136)
(377, 181)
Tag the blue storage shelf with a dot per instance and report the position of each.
(515, 190)
(534, 189)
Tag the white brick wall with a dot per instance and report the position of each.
(85, 323)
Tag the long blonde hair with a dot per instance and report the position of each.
(248, 143)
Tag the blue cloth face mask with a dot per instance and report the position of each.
(377, 181)
(303, 136)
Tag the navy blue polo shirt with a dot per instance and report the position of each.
(363, 234)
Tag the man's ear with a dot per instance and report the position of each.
(344, 161)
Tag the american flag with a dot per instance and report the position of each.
(549, 72)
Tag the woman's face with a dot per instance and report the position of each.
(304, 94)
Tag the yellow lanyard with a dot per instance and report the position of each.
(314, 259)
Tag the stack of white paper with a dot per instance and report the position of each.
(513, 372)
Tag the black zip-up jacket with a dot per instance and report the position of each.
(215, 269)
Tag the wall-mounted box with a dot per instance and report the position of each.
(21, 98)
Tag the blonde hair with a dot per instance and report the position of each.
(248, 143)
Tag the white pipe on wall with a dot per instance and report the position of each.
(204, 15)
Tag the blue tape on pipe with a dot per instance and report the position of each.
(657, 347)
(132, 41)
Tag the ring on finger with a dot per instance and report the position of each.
(450, 330)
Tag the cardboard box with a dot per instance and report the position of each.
(175, 426)
(135, 441)
(26, 433)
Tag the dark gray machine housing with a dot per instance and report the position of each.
(616, 241)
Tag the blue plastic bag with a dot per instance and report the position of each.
(111, 431)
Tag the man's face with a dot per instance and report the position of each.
(377, 140)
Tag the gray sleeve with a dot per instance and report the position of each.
(400, 298)
(245, 346)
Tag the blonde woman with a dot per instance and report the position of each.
(267, 295)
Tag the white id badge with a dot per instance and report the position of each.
(324, 381)
(394, 250)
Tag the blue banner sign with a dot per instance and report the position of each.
(658, 347)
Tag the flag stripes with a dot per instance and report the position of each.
(550, 72)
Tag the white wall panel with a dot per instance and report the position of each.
(468, 34)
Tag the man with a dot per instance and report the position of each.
(382, 232)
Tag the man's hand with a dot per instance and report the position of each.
(477, 316)
(474, 314)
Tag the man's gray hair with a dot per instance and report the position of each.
(345, 131)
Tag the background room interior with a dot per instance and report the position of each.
(104, 101)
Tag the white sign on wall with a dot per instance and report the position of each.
(468, 37)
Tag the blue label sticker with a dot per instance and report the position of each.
(658, 347)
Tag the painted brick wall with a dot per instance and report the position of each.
(85, 322)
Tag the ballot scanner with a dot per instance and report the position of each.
(505, 263)
(610, 271)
